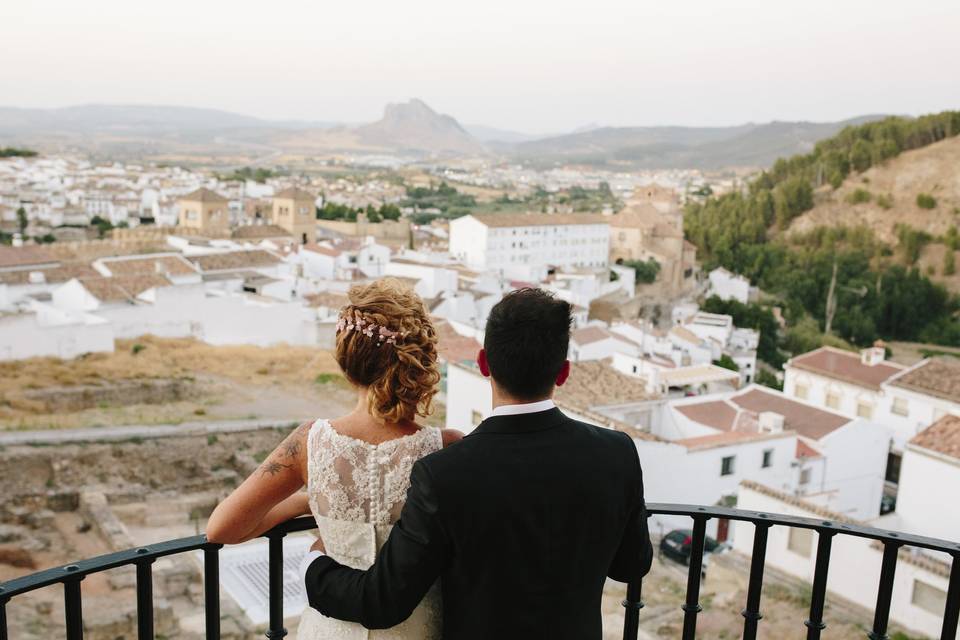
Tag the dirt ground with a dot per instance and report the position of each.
(223, 383)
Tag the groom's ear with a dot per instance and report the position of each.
(483, 364)
(564, 373)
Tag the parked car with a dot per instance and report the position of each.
(677, 545)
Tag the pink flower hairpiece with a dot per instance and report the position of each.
(356, 322)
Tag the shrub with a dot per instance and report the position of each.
(926, 201)
(137, 348)
(949, 263)
(885, 201)
(858, 196)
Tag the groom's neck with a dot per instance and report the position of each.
(501, 398)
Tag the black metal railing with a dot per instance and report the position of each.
(70, 576)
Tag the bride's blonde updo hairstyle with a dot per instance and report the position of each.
(386, 342)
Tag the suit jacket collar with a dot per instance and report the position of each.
(521, 423)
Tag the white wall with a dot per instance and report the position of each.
(922, 411)
(923, 474)
(818, 386)
(728, 286)
(854, 564)
(469, 398)
(30, 335)
(601, 349)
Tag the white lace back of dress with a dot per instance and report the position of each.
(355, 481)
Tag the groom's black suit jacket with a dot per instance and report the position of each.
(521, 521)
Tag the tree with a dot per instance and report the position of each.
(949, 263)
(727, 362)
(390, 212)
(861, 155)
(22, 221)
(646, 271)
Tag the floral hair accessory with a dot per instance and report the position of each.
(356, 322)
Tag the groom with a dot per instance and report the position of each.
(522, 521)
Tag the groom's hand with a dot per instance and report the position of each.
(318, 546)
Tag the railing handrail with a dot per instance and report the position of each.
(70, 575)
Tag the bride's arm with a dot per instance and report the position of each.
(266, 496)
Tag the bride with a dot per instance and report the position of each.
(356, 468)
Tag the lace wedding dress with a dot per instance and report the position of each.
(356, 491)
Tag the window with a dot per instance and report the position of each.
(800, 541)
(801, 391)
(727, 465)
(805, 476)
(900, 407)
(929, 598)
(864, 410)
(476, 417)
(893, 468)
(767, 458)
(833, 400)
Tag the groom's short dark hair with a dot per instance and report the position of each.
(526, 342)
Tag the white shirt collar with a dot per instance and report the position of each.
(527, 407)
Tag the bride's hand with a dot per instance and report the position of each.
(318, 546)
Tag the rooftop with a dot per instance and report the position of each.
(538, 219)
(938, 377)
(845, 366)
(452, 346)
(739, 412)
(589, 335)
(123, 288)
(943, 436)
(170, 264)
(595, 383)
(235, 260)
(328, 299)
(65, 272)
(25, 256)
(294, 193)
(203, 195)
(259, 231)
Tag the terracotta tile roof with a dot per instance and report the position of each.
(718, 414)
(589, 335)
(24, 257)
(123, 288)
(175, 265)
(295, 193)
(845, 366)
(943, 436)
(452, 346)
(595, 383)
(537, 219)
(322, 250)
(793, 500)
(806, 420)
(235, 260)
(685, 334)
(806, 451)
(329, 299)
(65, 272)
(259, 231)
(721, 439)
(939, 377)
(203, 195)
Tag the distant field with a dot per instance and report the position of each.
(152, 380)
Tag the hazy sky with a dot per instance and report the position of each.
(519, 64)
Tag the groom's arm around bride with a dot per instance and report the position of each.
(522, 521)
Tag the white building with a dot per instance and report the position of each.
(48, 331)
(839, 462)
(842, 381)
(728, 286)
(598, 343)
(527, 245)
(915, 398)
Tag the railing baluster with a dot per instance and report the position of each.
(3, 617)
(145, 600)
(73, 612)
(211, 589)
(881, 614)
(751, 613)
(692, 607)
(952, 610)
(276, 629)
(632, 603)
(815, 623)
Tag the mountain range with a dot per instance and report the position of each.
(410, 129)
